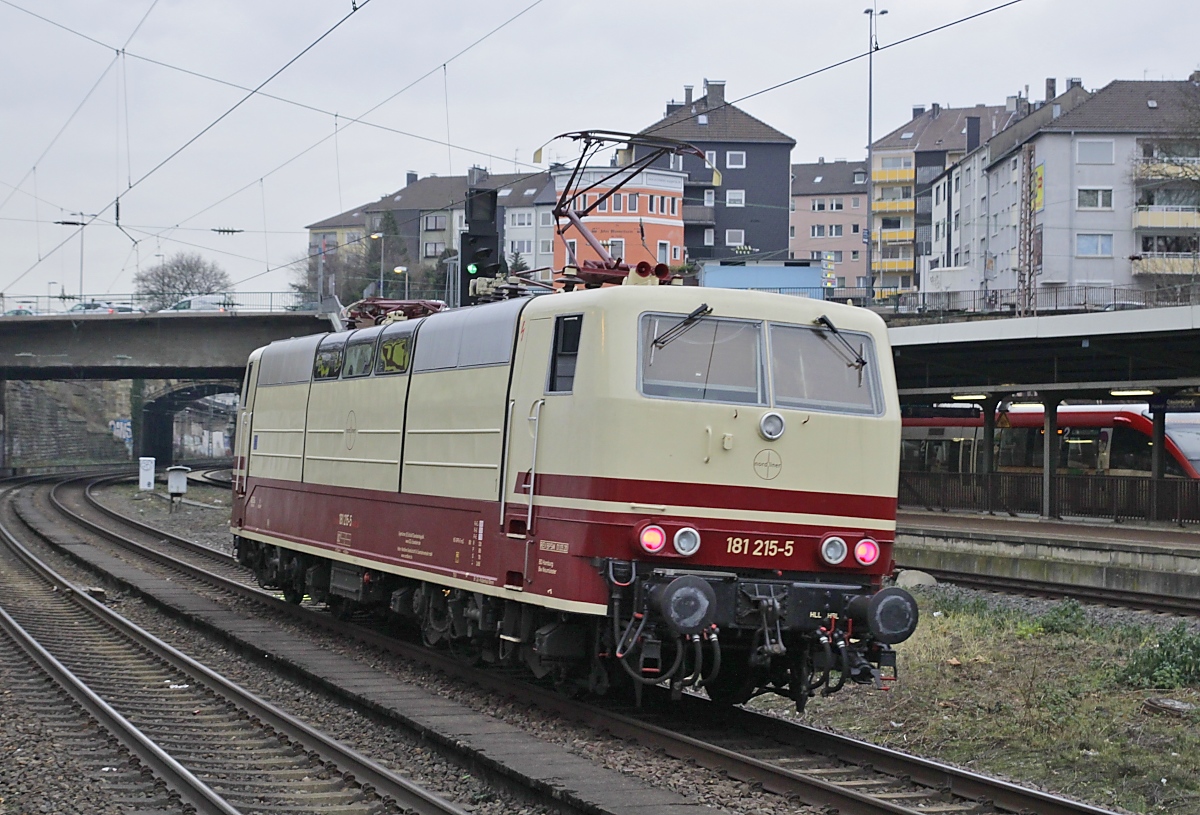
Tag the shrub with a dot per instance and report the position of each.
(1065, 618)
(1169, 661)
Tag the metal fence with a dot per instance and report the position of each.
(233, 300)
(1001, 302)
(1084, 496)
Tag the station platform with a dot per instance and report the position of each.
(1122, 559)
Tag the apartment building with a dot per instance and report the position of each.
(747, 215)
(829, 216)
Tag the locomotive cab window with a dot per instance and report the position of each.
(330, 354)
(811, 368)
(396, 347)
(711, 359)
(567, 329)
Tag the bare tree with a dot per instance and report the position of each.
(179, 276)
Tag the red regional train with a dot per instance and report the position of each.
(1113, 439)
(627, 484)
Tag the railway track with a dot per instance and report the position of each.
(803, 764)
(216, 747)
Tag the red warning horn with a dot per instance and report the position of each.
(661, 271)
(643, 269)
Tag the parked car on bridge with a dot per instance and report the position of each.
(203, 302)
(104, 307)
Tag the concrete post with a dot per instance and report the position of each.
(1158, 458)
(1050, 448)
(987, 463)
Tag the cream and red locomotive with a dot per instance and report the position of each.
(663, 483)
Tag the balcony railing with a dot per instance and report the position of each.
(893, 265)
(1168, 167)
(1163, 217)
(897, 235)
(893, 176)
(1167, 264)
(894, 205)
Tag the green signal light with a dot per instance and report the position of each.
(472, 268)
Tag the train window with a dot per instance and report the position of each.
(468, 338)
(359, 356)
(330, 354)
(567, 329)
(395, 348)
(714, 360)
(811, 369)
(288, 362)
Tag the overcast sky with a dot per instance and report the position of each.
(93, 123)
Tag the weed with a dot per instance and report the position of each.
(1066, 617)
(1170, 660)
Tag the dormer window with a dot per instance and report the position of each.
(860, 177)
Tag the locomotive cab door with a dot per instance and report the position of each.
(538, 415)
(241, 451)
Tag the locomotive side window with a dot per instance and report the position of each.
(330, 354)
(566, 351)
(810, 368)
(359, 356)
(395, 348)
(713, 360)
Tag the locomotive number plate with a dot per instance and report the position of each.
(758, 547)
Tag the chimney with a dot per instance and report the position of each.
(1010, 104)
(972, 133)
(475, 176)
(820, 159)
(1195, 78)
(918, 110)
(410, 178)
(687, 94)
(1051, 88)
(935, 109)
(1074, 82)
(714, 91)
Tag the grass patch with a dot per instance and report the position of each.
(1051, 699)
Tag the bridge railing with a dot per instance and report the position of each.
(264, 301)
(1117, 498)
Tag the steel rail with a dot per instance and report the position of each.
(365, 771)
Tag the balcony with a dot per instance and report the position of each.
(897, 235)
(696, 215)
(892, 265)
(893, 176)
(1159, 167)
(894, 205)
(1178, 265)
(1158, 217)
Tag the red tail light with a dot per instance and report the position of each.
(866, 551)
(652, 538)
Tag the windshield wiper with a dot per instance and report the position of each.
(676, 331)
(859, 363)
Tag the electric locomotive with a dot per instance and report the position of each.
(633, 485)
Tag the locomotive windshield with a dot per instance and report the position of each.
(715, 360)
(725, 360)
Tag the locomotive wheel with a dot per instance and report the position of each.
(293, 595)
(735, 683)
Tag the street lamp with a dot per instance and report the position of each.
(404, 271)
(382, 238)
(81, 224)
(873, 15)
(50, 294)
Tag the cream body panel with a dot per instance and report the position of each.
(245, 415)
(355, 429)
(277, 431)
(454, 436)
(610, 430)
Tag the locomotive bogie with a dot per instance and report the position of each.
(629, 487)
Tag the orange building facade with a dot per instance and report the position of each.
(641, 221)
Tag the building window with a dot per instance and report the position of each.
(602, 204)
(521, 247)
(546, 247)
(818, 205)
(674, 205)
(633, 202)
(434, 249)
(854, 203)
(519, 219)
(662, 204)
(861, 282)
(816, 231)
(616, 247)
(434, 223)
(854, 229)
(710, 237)
(1095, 152)
(618, 202)
(735, 160)
(853, 256)
(1094, 246)
(710, 158)
(735, 198)
(835, 230)
(791, 231)
(792, 205)
(710, 198)
(461, 220)
(835, 204)
(896, 162)
(547, 219)
(860, 177)
(674, 253)
(815, 254)
(650, 204)
(956, 180)
(837, 255)
(677, 163)
(664, 249)
(1100, 198)
(735, 237)
(570, 249)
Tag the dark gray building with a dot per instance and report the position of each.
(747, 216)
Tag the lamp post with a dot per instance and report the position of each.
(873, 15)
(382, 238)
(49, 294)
(404, 271)
(81, 224)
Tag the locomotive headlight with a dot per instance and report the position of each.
(771, 426)
(687, 541)
(834, 550)
(652, 538)
(866, 551)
